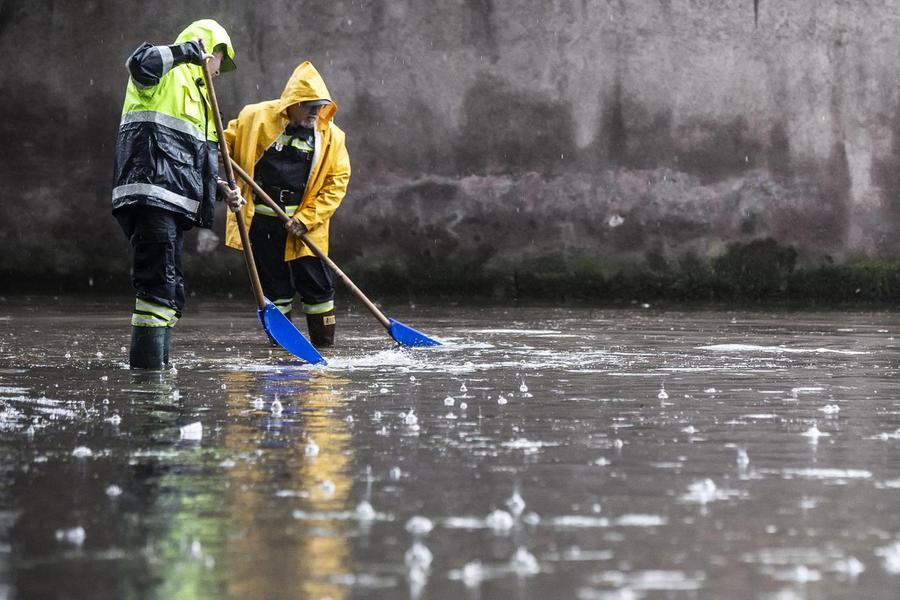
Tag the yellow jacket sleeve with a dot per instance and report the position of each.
(329, 196)
(231, 135)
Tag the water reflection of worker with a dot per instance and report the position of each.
(165, 175)
(294, 151)
(301, 564)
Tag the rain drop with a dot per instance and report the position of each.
(312, 449)
(419, 526)
(500, 521)
(515, 504)
(523, 562)
(364, 511)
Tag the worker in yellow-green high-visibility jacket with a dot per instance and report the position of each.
(166, 175)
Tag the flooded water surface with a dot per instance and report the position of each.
(539, 453)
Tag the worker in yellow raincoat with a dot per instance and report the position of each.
(294, 151)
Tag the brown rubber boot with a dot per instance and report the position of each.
(321, 329)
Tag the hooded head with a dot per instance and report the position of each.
(306, 85)
(214, 38)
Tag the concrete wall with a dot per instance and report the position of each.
(497, 146)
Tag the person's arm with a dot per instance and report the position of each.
(329, 196)
(148, 64)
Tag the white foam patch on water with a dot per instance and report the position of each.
(345, 515)
(792, 557)
(544, 332)
(8, 389)
(576, 554)
(806, 390)
(192, 432)
(638, 520)
(813, 473)
(647, 581)
(522, 563)
(695, 369)
(292, 494)
(384, 358)
(57, 413)
(528, 446)
(74, 535)
(577, 522)
(800, 574)
(775, 349)
(364, 581)
(890, 556)
(10, 419)
(464, 523)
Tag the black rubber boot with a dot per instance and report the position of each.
(321, 329)
(166, 339)
(149, 348)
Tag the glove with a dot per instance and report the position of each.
(232, 196)
(296, 226)
(191, 53)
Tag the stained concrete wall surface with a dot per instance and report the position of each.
(498, 147)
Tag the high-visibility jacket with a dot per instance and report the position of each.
(258, 126)
(166, 154)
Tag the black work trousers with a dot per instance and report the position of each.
(157, 242)
(307, 276)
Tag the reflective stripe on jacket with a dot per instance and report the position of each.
(166, 154)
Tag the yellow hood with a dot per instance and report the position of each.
(257, 127)
(306, 84)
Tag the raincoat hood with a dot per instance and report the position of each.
(307, 84)
(214, 36)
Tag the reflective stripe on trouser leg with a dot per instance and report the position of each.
(285, 305)
(317, 309)
(151, 314)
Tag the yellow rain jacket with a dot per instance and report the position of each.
(257, 127)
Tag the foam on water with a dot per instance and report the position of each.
(822, 473)
(347, 515)
(890, 556)
(750, 348)
(192, 432)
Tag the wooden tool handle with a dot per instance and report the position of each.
(258, 191)
(229, 173)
